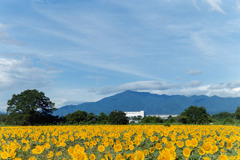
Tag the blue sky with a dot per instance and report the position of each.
(83, 50)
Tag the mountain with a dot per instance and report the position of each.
(153, 104)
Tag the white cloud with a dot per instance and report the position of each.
(95, 77)
(216, 5)
(116, 59)
(17, 75)
(194, 72)
(238, 5)
(66, 96)
(139, 85)
(3, 26)
(204, 43)
(157, 36)
(195, 5)
(4, 36)
(193, 84)
(188, 89)
(20, 73)
(228, 85)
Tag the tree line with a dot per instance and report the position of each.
(32, 107)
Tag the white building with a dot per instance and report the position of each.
(163, 116)
(134, 114)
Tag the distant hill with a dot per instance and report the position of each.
(153, 104)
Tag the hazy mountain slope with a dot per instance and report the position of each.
(153, 104)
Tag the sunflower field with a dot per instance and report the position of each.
(120, 142)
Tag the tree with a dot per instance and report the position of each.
(3, 118)
(182, 119)
(228, 120)
(196, 115)
(76, 117)
(171, 119)
(118, 117)
(222, 116)
(237, 113)
(102, 118)
(152, 119)
(91, 118)
(29, 107)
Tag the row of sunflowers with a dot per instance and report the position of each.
(126, 142)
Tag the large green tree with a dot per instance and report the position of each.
(29, 107)
(196, 115)
(118, 117)
(76, 117)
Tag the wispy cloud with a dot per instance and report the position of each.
(122, 49)
(229, 85)
(237, 5)
(216, 5)
(66, 96)
(3, 26)
(136, 86)
(204, 43)
(20, 73)
(146, 44)
(4, 36)
(194, 72)
(195, 5)
(96, 77)
(191, 88)
(111, 42)
(193, 84)
(76, 96)
(222, 90)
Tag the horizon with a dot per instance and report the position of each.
(127, 91)
(145, 92)
(159, 104)
(82, 51)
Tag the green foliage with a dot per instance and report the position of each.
(223, 118)
(228, 121)
(118, 117)
(222, 115)
(91, 118)
(102, 119)
(77, 117)
(196, 115)
(137, 118)
(171, 119)
(152, 119)
(237, 113)
(132, 122)
(30, 107)
(167, 124)
(183, 119)
(3, 117)
(82, 117)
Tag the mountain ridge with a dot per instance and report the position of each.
(153, 103)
